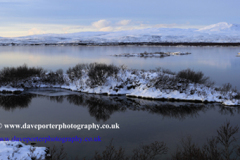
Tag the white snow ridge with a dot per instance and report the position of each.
(219, 33)
(218, 27)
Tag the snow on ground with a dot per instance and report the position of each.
(220, 32)
(141, 84)
(18, 151)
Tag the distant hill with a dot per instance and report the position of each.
(217, 33)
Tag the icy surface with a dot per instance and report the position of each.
(220, 32)
(18, 151)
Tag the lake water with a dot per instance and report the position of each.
(141, 121)
(219, 63)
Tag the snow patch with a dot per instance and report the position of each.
(217, 27)
(18, 151)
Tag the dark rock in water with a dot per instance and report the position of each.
(17, 92)
(4, 91)
(206, 101)
(13, 92)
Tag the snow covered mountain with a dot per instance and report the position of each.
(219, 33)
(219, 27)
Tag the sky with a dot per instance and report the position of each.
(29, 17)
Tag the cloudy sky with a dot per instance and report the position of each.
(28, 17)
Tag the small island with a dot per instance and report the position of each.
(99, 78)
(149, 54)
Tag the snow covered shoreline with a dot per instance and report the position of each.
(9, 89)
(153, 84)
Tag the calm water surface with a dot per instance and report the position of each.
(219, 63)
(141, 121)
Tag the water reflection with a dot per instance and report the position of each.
(102, 107)
(58, 99)
(229, 110)
(141, 120)
(12, 102)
